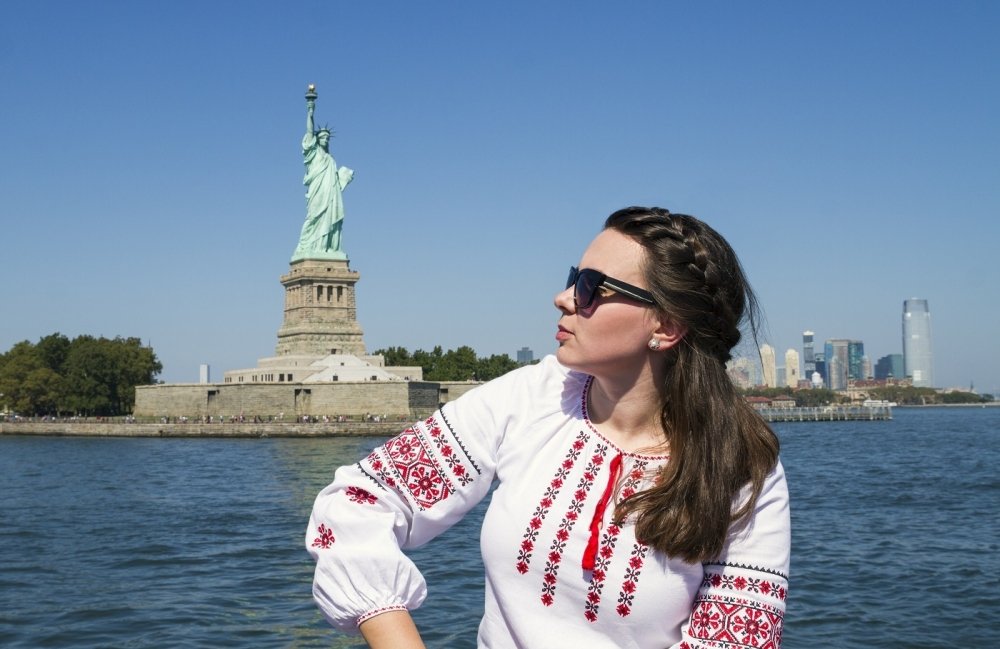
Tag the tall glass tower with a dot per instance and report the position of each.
(808, 359)
(917, 342)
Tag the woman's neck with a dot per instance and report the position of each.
(628, 414)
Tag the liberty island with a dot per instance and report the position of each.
(321, 367)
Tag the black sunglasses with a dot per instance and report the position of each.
(586, 282)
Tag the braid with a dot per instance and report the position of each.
(722, 306)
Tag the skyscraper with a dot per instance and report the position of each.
(855, 360)
(837, 363)
(917, 342)
(890, 366)
(767, 364)
(808, 360)
(792, 368)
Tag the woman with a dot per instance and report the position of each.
(640, 501)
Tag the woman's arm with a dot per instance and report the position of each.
(743, 593)
(392, 630)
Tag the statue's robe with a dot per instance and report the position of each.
(324, 183)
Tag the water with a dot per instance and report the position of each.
(198, 542)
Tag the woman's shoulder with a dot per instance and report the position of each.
(545, 384)
(548, 373)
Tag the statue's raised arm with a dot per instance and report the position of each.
(310, 109)
(320, 238)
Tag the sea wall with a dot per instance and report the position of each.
(407, 399)
(272, 429)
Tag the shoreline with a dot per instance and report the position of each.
(246, 429)
(268, 429)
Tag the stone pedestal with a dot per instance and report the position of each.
(320, 312)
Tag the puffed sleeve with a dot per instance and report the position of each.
(741, 601)
(406, 492)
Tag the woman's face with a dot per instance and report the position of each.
(608, 339)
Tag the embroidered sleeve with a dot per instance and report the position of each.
(406, 492)
(741, 601)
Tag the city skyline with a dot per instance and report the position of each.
(151, 180)
(919, 367)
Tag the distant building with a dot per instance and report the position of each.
(808, 359)
(890, 367)
(856, 360)
(917, 342)
(525, 356)
(866, 367)
(792, 375)
(204, 374)
(837, 363)
(783, 401)
(820, 362)
(740, 371)
(767, 366)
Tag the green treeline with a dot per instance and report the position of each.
(85, 376)
(811, 398)
(902, 395)
(460, 364)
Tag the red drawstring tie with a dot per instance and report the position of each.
(595, 524)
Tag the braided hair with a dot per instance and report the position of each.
(718, 443)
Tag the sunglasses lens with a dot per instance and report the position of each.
(586, 284)
(571, 280)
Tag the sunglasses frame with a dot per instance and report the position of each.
(603, 281)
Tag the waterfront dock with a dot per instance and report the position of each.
(828, 413)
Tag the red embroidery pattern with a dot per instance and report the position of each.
(736, 623)
(447, 451)
(607, 548)
(740, 607)
(627, 593)
(427, 462)
(608, 541)
(554, 558)
(541, 511)
(744, 580)
(414, 468)
(385, 609)
(325, 538)
(361, 496)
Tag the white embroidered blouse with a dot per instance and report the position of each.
(559, 572)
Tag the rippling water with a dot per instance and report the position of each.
(199, 542)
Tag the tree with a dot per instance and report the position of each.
(460, 364)
(17, 364)
(962, 397)
(53, 350)
(456, 365)
(396, 357)
(494, 366)
(91, 376)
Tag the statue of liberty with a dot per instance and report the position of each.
(325, 182)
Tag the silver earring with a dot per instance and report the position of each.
(654, 344)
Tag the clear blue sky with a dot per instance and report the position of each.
(150, 169)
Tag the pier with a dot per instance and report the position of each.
(828, 413)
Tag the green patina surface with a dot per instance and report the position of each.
(325, 183)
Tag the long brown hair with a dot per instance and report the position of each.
(718, 443)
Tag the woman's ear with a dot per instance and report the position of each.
(667, 334)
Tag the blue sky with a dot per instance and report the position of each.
(150, 169)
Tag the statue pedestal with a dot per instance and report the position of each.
(320, 310)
